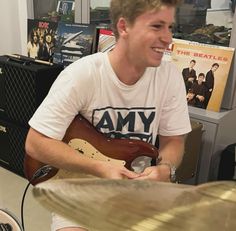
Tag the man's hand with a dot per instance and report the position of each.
(191, 79)
(171, 150)
(158, 173)
(200, 97)
(108, 170)
(190, 96)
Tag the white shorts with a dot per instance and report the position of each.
(59, 222)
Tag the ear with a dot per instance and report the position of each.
(122, 26)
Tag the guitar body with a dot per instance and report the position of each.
(84, 138)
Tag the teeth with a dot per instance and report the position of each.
(159, 50)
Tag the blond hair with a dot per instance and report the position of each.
(131, 9)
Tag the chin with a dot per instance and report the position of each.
(155, 64)
(155, 61)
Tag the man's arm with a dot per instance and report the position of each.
(171, 149)
(60, 155)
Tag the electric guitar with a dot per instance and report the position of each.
(83, 137)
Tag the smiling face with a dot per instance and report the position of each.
(148, 37)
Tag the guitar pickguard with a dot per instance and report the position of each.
(85, 148)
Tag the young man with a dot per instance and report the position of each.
(189, 75)
(209, 82)
(127, 92)
(197, 92)
(33, 45)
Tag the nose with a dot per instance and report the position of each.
(166, 36)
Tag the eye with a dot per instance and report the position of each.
(162, 26)
(157, 26)
(171, 28)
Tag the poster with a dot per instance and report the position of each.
(205, 65)
(73, 41)
(41, 39)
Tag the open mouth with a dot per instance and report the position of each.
(159, 50)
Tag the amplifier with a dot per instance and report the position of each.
(12, 147)
(2, 95)
(24, 83)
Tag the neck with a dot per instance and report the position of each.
(126, 69)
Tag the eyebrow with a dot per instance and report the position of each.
(163, 22)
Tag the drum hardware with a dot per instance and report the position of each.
(9, 222)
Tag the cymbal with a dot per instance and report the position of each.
(118, 205)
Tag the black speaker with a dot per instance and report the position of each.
(2, 94)
(12, 147)
(227, 165)
(24, 83)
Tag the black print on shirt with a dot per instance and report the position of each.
(133, 123)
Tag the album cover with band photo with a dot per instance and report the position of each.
(41, 39)
(205, 69)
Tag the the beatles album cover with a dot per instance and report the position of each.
(73, 41)
(205, 69)
(41, 39)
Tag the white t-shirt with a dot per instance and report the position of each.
(156, 104)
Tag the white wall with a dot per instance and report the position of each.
(13, 26)
(220, 17)
(220, 13)
(220, 4)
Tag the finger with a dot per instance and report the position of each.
(130, 175)
(144, 177)
(143, 174)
